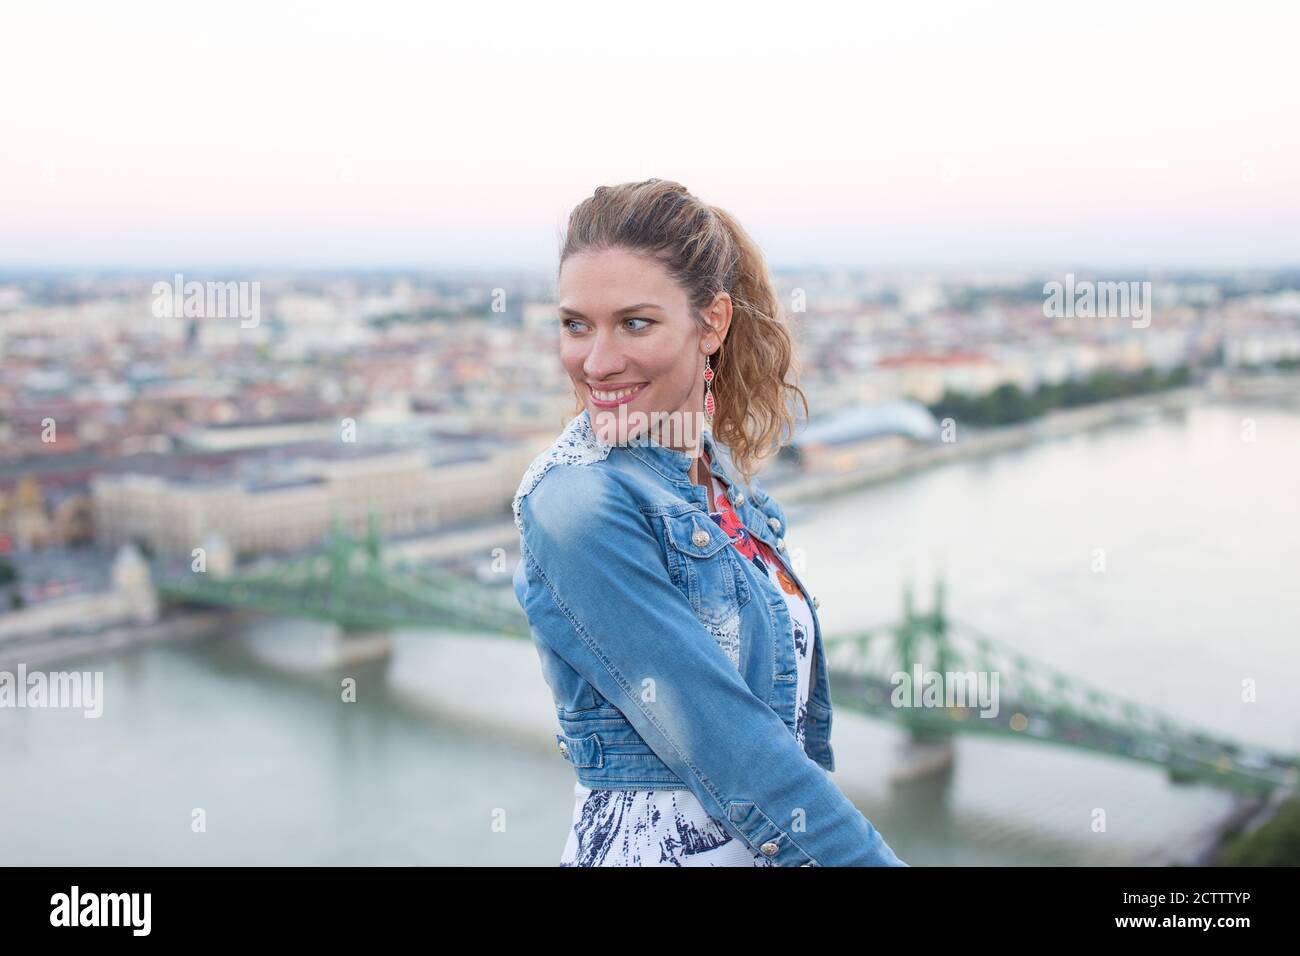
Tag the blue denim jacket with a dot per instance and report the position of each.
(670, 659)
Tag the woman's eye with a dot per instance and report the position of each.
(574, 327)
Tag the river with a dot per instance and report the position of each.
(237, 749)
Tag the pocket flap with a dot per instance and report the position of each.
(684, 534)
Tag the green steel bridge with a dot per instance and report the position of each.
(352, 584)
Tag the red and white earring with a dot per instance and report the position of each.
(708, 390)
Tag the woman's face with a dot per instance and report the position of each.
(626, 327)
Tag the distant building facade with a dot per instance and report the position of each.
(407, 490)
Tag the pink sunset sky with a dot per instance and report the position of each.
(377, 134)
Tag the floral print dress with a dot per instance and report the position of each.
(671, 827)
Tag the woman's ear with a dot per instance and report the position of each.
(719, 316)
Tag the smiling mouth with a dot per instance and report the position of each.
(614, 397)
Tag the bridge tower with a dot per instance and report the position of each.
(351, 644)
(922, 640)
(132, 580)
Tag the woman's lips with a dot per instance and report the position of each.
(599, 403)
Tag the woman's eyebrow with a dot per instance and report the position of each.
(565, 310)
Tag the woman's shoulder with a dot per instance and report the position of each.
(570, 465)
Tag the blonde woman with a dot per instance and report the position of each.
(684, 655)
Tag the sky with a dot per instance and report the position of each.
(420, 135)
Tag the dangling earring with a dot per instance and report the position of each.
(708, 390)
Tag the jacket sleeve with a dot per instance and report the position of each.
(600, 596)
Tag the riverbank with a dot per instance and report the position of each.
(1246, 810)
(792, 488)
(173, 625)
(1269, 839)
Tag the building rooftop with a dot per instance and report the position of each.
(899, 417)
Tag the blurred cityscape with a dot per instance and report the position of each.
(422, 398)
(147, 420)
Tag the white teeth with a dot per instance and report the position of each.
(613, 396)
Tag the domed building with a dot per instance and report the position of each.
(860, 436)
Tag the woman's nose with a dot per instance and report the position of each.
(604, 360)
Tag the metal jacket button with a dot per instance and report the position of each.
(564, 748)
(774, 524)
(769, 848)
(700, 538)
(816, 603)
(740, 500)
(780, 544)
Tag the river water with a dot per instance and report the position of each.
(239, 749)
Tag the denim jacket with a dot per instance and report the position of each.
(670, 659)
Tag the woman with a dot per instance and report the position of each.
(684, 656)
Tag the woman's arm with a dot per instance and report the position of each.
(599, 595)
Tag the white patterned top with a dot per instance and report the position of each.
(672, 827)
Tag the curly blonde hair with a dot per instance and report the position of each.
(706, 251)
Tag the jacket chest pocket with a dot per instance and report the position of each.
(703, 565)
